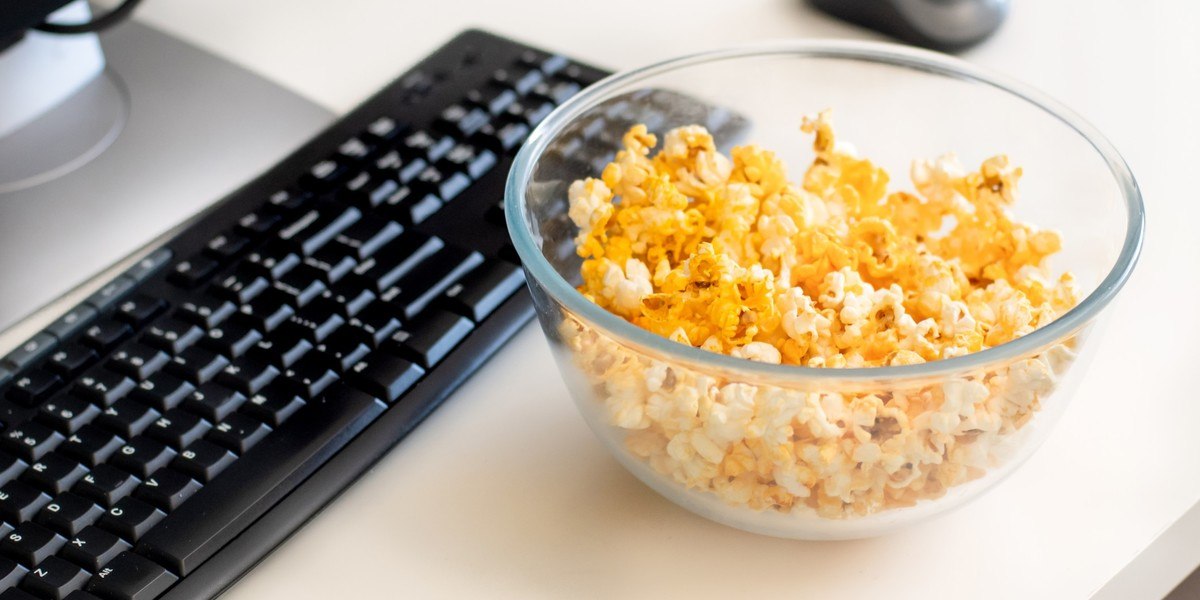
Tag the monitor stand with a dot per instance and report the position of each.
(164, 132)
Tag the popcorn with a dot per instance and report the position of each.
(724, 253)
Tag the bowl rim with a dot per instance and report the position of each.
(896, 55)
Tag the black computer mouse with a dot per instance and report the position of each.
(946, 25)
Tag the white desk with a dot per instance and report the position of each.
(505, 493)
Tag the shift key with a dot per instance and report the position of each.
(263, 476)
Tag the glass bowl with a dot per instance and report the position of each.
(938, 433)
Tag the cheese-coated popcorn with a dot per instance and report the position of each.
(727, 254)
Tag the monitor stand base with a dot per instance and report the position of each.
(167, 131)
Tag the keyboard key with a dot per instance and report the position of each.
(71, 359)
(130, 577)
(301, 285)
(272, 260)
(226, 246)
(492, 97)
(110, 293)
(91, 445)
(369, 235)
(172, 335)
(54, 578)
(67, 413)
(166, 489)
(356, 149)
(325, 174)
(240, 495)
(314, 323)
(68, 514)
(331, 263)
(127, 417)
(10, 574)
(142, 456)
(193, 271)
(238, 433)
(317, 227)
(343, 349)
(414, 209)
(396, 259)
(385, 376)
(197, 365)
(484, 289)
(233, 338)
(10, 467)
(282, 349)
(432, 337)
(149, 265)
(349, 298)
(432, 277)
(203, 460)
(213, 402)
(273, 405)
(556, 92)
(289, 200)
(239, 287)
(375, 324)
(93, 547)
(106, 333)
(19, 501)
(258, 224)
(248, 374)
(30, 544)
(310, 376)
(384, 128)
(130, 518)
(54, 473)
(462, 120)
(105, 484)
(72, 321)
(30, 387)
(522, 79)
(138, 309)
(137, 360)
(30, 441)
(178, 428)
(163, 391)
(268, 311)
(466, 158)
(102, 386)
(206, 311)
(507, 137)
(427, 146)
(29, 352)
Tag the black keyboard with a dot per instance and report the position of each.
(163, 436)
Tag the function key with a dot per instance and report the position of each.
(72, 321)
(33, 349)
(149, 265)
(384, 128)
(226, 246)
(191, 272)
(71, 359)
(110, 293)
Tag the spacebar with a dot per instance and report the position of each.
(260, 478)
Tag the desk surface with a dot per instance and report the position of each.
(505, 493)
